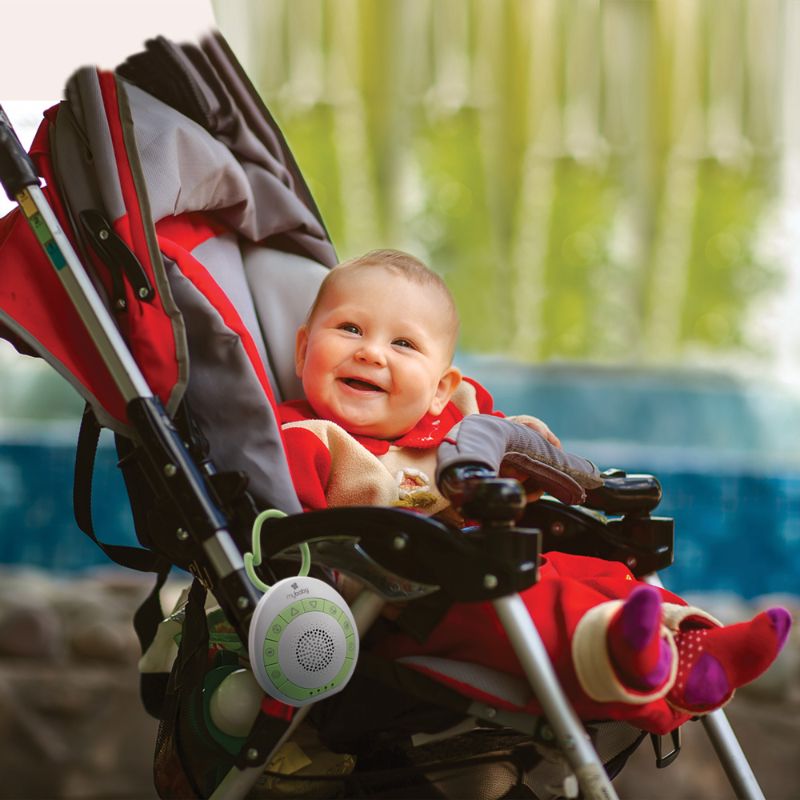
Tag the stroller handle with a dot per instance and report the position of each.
(16, 168)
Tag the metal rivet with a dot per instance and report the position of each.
(242, 602)
(103, 234)
(252, 754)
(490, 581)
(182, 534)
(400, 542)
(121, 304)
(557, 528)
(170, 470)
(491, 713)
(144, 292)
(631, 561)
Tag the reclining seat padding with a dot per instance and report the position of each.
(281, 284)
(76, 139)
(222, 258)
(228, 379)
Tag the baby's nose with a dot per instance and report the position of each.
(371, 353)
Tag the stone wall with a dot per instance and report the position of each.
(71, 724)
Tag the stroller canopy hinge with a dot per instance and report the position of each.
(118, 258)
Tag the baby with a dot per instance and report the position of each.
(375, 359)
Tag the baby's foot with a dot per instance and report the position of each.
(641, 658)
(713, 662)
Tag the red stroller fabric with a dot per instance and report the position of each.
(35, 309)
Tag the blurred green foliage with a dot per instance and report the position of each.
(590, 176)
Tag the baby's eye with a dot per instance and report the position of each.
(350, 328)
(404, 343)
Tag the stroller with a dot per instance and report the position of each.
(171, 255)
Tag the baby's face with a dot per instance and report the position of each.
(375, 356)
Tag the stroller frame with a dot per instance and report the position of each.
(219, 558)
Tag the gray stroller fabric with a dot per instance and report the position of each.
(235, 170)
(281, 284)
(485, 440)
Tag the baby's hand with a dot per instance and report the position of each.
(533, 492)
(534, 423)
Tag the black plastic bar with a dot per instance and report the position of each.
(178, 475)
(16, 168)
(468, 567)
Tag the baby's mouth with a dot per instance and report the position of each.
(362, 386)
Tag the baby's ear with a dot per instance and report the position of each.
(448, 383)
(300, 347)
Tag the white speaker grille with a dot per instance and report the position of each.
(315, 649)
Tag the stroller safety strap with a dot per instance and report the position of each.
(137, 558)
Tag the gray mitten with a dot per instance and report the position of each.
(481, 439)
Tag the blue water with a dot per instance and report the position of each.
(736, 532)
(726, 450)
(37, 525)
(735, 501)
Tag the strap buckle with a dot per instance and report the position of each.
(665, 760)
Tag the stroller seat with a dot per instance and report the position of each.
(205, 245)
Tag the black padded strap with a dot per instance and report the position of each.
(132, 557)
(150, 614)
(191, 662)
(485, 440)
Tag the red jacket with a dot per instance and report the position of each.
(331, 467)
